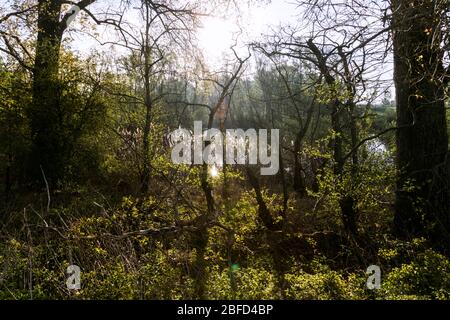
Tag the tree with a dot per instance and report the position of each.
(422, 199)
(49, 146)
(224, 83)
(153, 44)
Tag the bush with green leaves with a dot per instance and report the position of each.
(324, 283)
(427, 276)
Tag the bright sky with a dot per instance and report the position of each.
(218, 34)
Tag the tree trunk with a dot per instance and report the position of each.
(274, 233)
(299, 180)
(346, 203)
(48, 145)
(422, 138)
(145, 177)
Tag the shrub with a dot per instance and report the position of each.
(426, 277)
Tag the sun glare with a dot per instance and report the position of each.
(213, 171)
(218, 34)
(216, 37)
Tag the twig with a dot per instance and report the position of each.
(48, 190)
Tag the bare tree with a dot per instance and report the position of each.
(223, 83)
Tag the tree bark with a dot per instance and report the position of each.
(51, 142)
(48, 143)
(148, 101)
(422, 197)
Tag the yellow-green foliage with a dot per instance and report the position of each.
(427, 276)
(323, 283)
(249, 284)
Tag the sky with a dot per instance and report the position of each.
(247, 23)
(218, 33)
